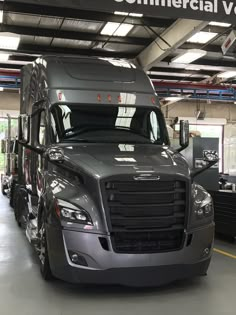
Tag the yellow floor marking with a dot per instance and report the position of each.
(224, 253)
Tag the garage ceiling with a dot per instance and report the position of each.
(152, 42)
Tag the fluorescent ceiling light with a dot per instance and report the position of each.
(136, 14)
(9, 41)
(189, 56)
(202, 37)
(124, 29)
(121, 13)
(110, 28)
(192, 67)
(221, 24)
(116, 29)
(1, 16)
(4, 57)
(128, 14)
(173, 99)
(227, 74)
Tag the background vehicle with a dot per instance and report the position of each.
(9, 147)
(103, 197)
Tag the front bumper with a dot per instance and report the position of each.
(108, 267)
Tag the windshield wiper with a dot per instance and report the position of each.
(76, 140)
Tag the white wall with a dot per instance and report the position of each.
(9, 104)
(213, 110)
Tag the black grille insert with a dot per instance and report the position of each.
(146, 216)
(146, 242)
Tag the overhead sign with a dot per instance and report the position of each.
(229, 44)
(208, 10)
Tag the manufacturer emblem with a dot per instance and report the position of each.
(147, 177)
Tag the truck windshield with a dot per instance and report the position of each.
(105, 123)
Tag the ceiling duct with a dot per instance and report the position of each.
(200, 115)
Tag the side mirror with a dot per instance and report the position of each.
(24, 129)
(3, 146)
(15, 147)
(211, 158)
(184, 135)
(55, 154)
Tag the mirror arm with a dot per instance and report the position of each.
(203, 169)
(39, 150)
(182, 148)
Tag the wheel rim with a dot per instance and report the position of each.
(42, 249)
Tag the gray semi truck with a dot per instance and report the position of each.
(100, 192)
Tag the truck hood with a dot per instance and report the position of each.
(104, 160)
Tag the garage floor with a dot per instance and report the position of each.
(22, 291)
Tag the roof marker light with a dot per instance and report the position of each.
(99, 97)
(60, 96)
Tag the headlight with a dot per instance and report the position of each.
(76, 215)
(202, 203)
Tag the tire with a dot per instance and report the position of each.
(21, 208)
(12, 194)
(23, 211)
(43, 254)
(16, 206)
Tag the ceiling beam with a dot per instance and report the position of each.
(173, 37)
(217, 29)
(174, 78)
(73, 35)
(184, 71)
(198, 65)
(211, 59)
(217, 63)
(53, 11)
(45, 50)
(188, 86)
(10, 66)
(208, 48)
(20, 58)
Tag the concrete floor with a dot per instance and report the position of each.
(22, 291)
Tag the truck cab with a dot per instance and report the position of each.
(100, 192)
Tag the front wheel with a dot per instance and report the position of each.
(12, 194)
(43, 255)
